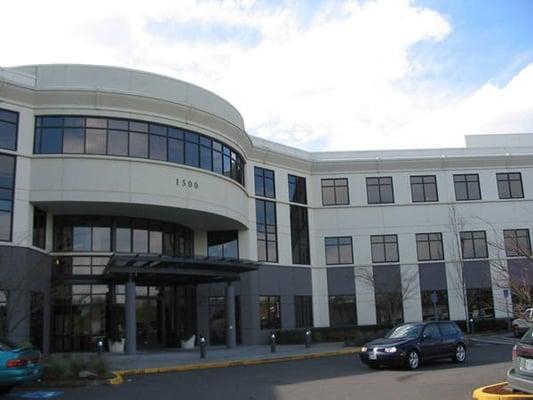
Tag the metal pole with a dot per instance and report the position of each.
(203, 346)
(308, 338)
(272, 342)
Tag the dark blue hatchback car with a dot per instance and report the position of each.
(407, 344)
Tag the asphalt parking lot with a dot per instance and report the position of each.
(342, 377)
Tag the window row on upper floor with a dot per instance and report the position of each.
(139, 139)
(384, 248)
(380, 190)
(8, 129)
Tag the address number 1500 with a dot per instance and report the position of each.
(186, 183)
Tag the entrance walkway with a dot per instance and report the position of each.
(215, 354)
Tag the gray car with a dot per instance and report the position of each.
(520, 375)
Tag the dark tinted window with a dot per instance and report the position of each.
(342, 310)
(429, 246)
(474, 244)
(517, 242)
(384, 248)
(297, 189)
(39, 227)
(267, 237)
(223, 244)
(8, 129)
(379, 190)
(299, 235)
(7, 188)
(339, 250)
(467, 187)
(432, 330)
(448, 329)
(424, 188)
(510, 185)
(303, 311)
(335, 192)
(269, 312)
(92, 135)
(264, 182)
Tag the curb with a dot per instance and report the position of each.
(119, 375)
(118, 379)
(495, 392)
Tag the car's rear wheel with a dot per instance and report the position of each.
(413, 360)
(459, 355)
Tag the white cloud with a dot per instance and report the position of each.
(332, 80)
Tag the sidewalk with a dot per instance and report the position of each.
(218, 357)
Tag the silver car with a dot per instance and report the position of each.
(520, 375)
(523, 322)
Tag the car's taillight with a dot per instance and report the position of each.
(515, 352)
(16, 363)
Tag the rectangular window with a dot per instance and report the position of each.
(303, 311)
(510, 185)
(8, 129)
(335, 192)
(267, 236)
(480, 303)
(467, 187)
(223, 244)
(517, 242)
(474, 244)
(138, 145)
(424, 188)
(158, 147)
(269, 312)
(96, 141)
(7, 191)
(384, 248)
(297, 189)
(191, 149)
(342, 311)
(264, 182)
(299, 235)
(440, 308)
(339, 250)
(379, 190)
(429, 246)
(74, 140)
(39, 228)
(117, 143)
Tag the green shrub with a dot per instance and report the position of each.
(98, 365)
(68, 367)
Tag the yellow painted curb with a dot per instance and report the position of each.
(492, 392)
(118, 379)
(234, 363)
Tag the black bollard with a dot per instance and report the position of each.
(203, 345)
(308, 338)
(272, 342)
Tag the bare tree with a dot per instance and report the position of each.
(513, 273)
(457, 224)
(391, 299)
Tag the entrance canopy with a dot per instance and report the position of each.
(154, 269)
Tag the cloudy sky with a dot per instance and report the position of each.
(318, 75)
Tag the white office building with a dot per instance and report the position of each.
(136, 205)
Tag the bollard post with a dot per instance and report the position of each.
(99, 347)
(308, 338)
(272, 342)
(203, 345)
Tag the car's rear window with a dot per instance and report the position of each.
(6, 345)
(448, 329)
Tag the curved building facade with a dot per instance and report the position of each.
(135, 205)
